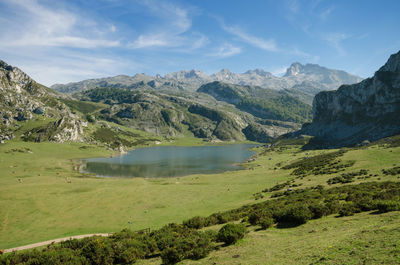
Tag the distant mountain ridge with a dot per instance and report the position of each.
(308, 78)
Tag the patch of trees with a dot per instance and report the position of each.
(110, 95)
(391, 171)
(284, 108)
(347, 177)
(320, 164)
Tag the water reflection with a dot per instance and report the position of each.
(171, 161)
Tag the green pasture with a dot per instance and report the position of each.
(43, 196)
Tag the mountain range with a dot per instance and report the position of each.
(308, 78)
(255, 105)
(33, 112)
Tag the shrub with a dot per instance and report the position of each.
(294, 214)
(127, 251)
(98, 251)
(196, 222)
(333, 206)
(366, 204)
(230, 233)
(388, 206)
(171, 256)
(90, 118)
(318, 210)
(256, 216)
(266, 222)
(347, 209)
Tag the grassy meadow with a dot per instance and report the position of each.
(43, 196)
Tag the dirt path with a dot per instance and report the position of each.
(44, 243)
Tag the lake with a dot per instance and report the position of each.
(171, 161)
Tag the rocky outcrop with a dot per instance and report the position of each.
(368, 110)
(22, 99)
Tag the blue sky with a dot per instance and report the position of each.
(64, 41)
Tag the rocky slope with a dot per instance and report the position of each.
(368, 110)
(309, 78)
(177, 114)
(22, 99)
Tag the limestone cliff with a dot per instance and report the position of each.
(368, 110)
(22, 99)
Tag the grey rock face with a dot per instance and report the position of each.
(368, 110)
(21, 98)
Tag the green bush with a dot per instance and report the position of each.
(196, 222)
(90, 118)
(127, 251)
(266, 222)
(230, 233)
(256, 216)
(294, 214)
(347, 209)
(318, 210)
(98, 251)
(171, 256)
(388, 206)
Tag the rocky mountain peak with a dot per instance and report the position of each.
(393, 64)
(187, 74)
(22, 99)
(12, 78)
(294, 69)
(260, 72)
(224, 75)
(225, 71)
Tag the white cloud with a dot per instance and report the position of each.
(73, 66)
(324, 14)
(55, 45)
(226, 50)
(335, 40)
(170, 30)
(34, 24)
(153, 40)
(200, 42)
(280, 71)
(293, 6)
(264, 44)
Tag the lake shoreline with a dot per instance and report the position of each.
(172, 161)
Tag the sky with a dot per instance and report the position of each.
(71, 40)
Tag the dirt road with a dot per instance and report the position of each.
(44, 243)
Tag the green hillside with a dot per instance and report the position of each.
(260, 102)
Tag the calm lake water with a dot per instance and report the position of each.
(171, 161)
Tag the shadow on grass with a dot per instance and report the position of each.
(283, 225)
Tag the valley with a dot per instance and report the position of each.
(89, 204)
(307, 182)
